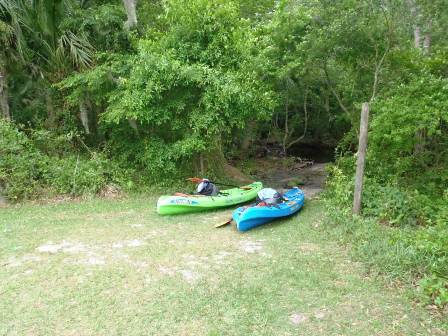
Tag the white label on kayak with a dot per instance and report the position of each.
(183, 201)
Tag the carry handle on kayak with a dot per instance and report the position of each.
(198, 180)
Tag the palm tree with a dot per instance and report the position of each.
(36, 35)
(10, 40)
(5, 34)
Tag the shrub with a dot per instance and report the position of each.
(21, 163)
(400, 248)
(33, 165)
(77, 175)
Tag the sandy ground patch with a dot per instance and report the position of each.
(128, 243)
(189, 276)
(64, 246)
(297, 318)
(250, 246)
(19, 261)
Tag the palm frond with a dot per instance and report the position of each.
(79, 49)
(11, 18)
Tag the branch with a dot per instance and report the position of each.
(285, 137)
(327, 80)
(305, 128)
(378, 68)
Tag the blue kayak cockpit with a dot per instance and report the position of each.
(247, 218)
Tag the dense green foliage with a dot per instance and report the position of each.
(387, 237)
(89, 101)
(37, 163)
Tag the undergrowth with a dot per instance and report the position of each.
(398, 235)
(39, 163)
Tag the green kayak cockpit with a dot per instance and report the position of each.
(178, 204)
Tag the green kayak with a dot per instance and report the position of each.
(172, 205)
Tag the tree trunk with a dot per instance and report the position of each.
(248, 136)
(4, 104)
(51, 115)
(201, 165)
(285, 137)
(305, 126)
(84, 115)
(360, 162)
(133, 123)
(417, 37)
(129, 6)
(414, 15)
(333, 90)
(427, 44)
(419, 144)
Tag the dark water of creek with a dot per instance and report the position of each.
(317, 153)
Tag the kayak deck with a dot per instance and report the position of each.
(171, 205)
(247, 218)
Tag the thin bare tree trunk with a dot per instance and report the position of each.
(361, 159)
(333, 90)
(133, 123)
(4, 104)
(377, 72)
(201, 165)
(129, 6)
(51, 115)
(285, 137)
(427, 40)
(305, 127)
(414, 15)
(419, 144)
(84, 115)
(327, 103)
(417, 37)
(248, 136)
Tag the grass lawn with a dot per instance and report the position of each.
(114, 267)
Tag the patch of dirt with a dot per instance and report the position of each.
(283, 173)
(308, 247)
(64, 246)
(236, 175)
(170, 271)
(111, 191)
(96, 254)
(95, 261)
(319, 315)
(128, 243)
(189, 276)
(16, 262)
(250, 246)
(297, 318)
(222, 255)
(3, 202)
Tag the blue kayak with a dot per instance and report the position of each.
(247, 218)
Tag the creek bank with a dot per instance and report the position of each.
(283, 173)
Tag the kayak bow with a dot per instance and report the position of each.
(172, 205)
(247, 218)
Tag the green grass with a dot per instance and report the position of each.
(120, 269)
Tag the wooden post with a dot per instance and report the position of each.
(361, 159)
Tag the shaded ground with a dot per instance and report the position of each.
(281, 173)
(108, 267)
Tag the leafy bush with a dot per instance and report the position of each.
(28, 170)
(387, 237)
(188, 85)
(408, 134)
(21, 164)
(77, 175)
